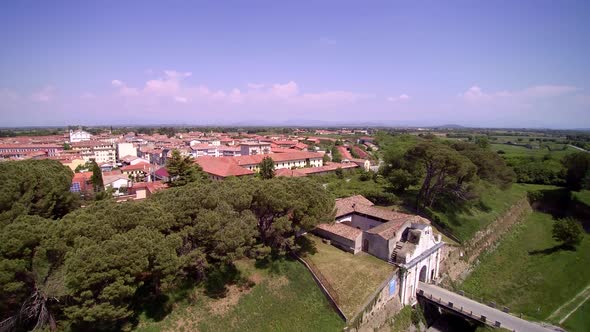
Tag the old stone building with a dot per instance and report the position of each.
(406, 241)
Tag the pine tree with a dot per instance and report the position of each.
(267, 168)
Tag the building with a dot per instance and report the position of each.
(79, 136)
(143, 190)
(120, 183)
(254, 148)
(126, 149)
(222, 167)
(139, 172)
(25, 151)
(101, 152)
(407, 241)
(295, 159)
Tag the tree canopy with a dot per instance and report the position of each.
(267, 168)
(35, 187)
(93, 267)
(568, 231)
(182, 170)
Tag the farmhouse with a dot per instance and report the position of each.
(404, 240)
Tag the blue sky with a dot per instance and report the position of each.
(474, 63)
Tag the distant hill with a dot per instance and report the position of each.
(449, 126)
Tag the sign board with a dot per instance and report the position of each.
(391, 287)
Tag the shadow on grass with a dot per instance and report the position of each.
(218, 277)
(306, 246)
(554, 249)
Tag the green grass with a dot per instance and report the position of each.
(285, 298)
(402, 320)
(353, 277)
(582, 196)
(528, 272)
(520, 151)
(464, 223)
(579, 321)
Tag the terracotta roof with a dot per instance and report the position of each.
(389, 229)
(344, 152)
(344, 206)
(162, 172)
(289, 172)
(341, 229)
(327, 168)
(150, 186)
(107, 179)
(221, 166)
(139, 166)
(276, 157)
(114, 172)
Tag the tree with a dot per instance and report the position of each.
(96, 177)
(568, 231)
(183, 170)
(35, 187)
(285, 206)
(578, 166)
(267, 168)
(325, 158)
(490, 166)
(445, 172)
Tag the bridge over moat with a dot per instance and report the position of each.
(477, 311)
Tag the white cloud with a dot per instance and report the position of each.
(402, 97)
(255, 86)
(173, 87)
(475, 94)
(44, 95)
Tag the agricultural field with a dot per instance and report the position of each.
(529, 272)
(282, 295)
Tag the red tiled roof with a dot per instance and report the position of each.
(346, 205)
(341, 229)
(289, 172)
(327, 168)
(142, 166)
(344, 152)
(221, 166)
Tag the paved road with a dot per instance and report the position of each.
(508, 321)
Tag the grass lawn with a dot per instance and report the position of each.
(494, 202)
(285, 298)
(353, 277)
(529, 273)
(583, 196)
(579, 321)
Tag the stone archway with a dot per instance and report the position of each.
(423, 272)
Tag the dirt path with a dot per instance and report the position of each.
(582, 296)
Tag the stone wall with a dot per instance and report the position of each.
(458, 261)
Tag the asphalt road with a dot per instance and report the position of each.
(507, 321)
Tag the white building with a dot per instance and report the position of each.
(254, 148)
(126, 149)
(120, 183)
(100, 152)
(79, 136)
(405, 240)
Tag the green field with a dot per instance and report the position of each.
(529, 272)
(582, 196)
(285, 298)
(464, 223)
(520, 151)
(579, 321)
(353, 277)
